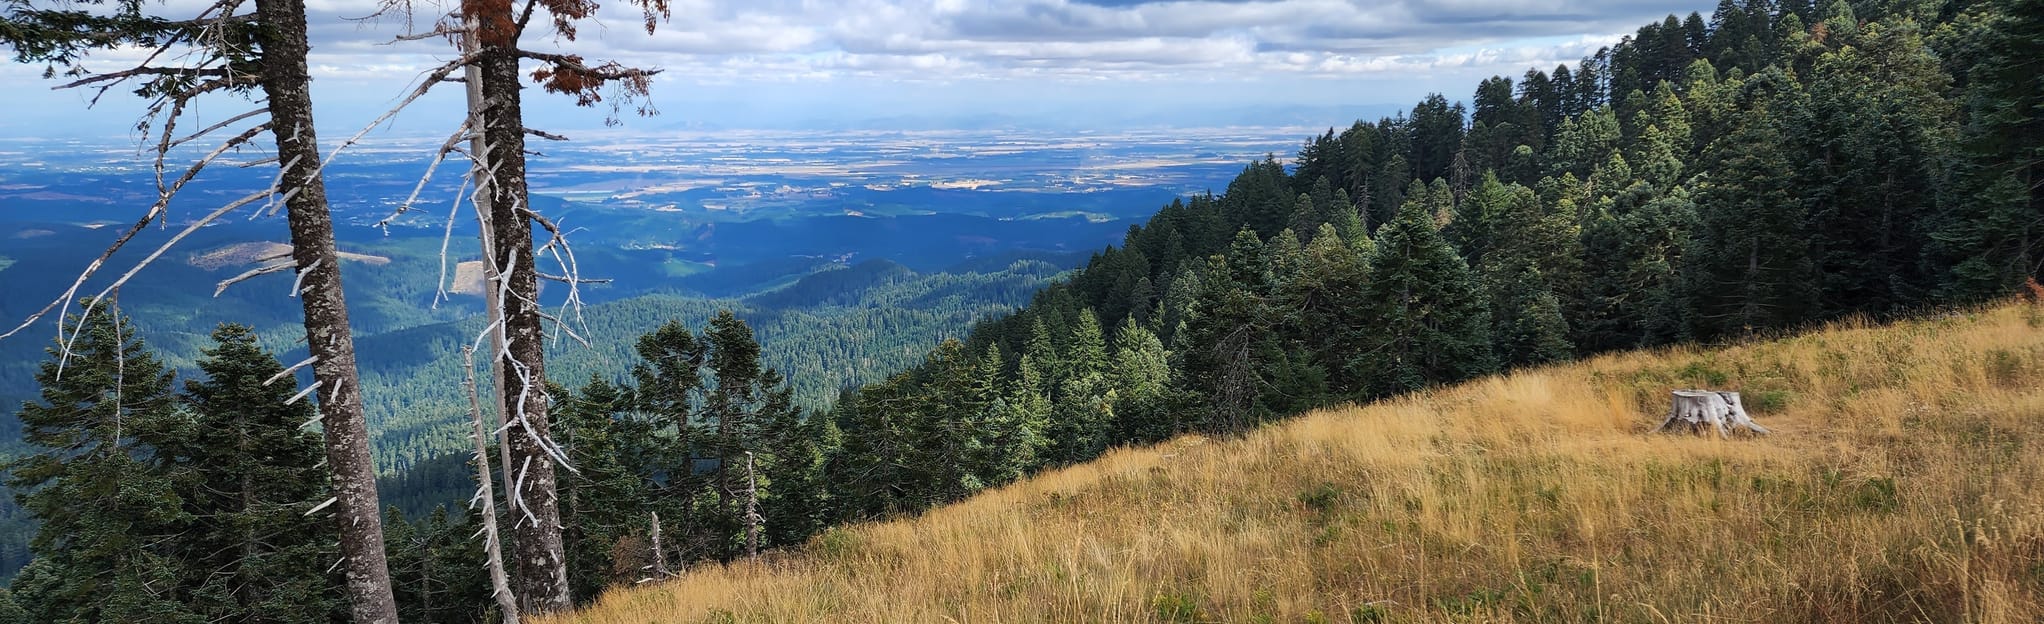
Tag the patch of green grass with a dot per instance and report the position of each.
(684, 268)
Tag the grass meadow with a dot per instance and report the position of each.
(1904, 483)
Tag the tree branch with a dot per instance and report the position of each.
(439, 156)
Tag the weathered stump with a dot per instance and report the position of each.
(1693, 410)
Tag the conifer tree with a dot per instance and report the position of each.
(1020, 431)
(1584, 142)
(1084, 409)
(1141, 372)
(1749, 263)
(1987, 238)
(798, 449)
(1527, 327)
(433, 566)
(98, 483)
(249, 471)
(603, 502)
(728, 407)
(240, 49)
(1431, 322)
(668, 380)
(1322, 301)
(1873, 135)
(1225, 337)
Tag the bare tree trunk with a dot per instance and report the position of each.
(724, 484)
(327, 335)
(659, 556)
(500, 586)
(752, 517)
(541, 567)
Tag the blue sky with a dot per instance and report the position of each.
(820, 64)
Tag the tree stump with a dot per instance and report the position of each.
(1693, 410)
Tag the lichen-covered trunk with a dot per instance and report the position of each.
(327, 336)
(541, 569)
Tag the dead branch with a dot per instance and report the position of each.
(436, 32)
(447, 237)
(302, 394)
(606, 71)
(189, 229)
(92, 268)
(175, 72)
(251, 274)
(500, 586)
(209, 129)
(426, 84)
(571, 280)
(439, 156)
(164, 195)
(293, 368)
(564, 327)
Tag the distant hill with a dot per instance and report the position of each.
(1887, 493)
(841, 284)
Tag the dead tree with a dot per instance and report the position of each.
(659, 564)
(1694, 410)
(752, 518)
(489, 32)
(500, 586)
(227, 49)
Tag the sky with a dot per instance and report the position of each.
(936, 64)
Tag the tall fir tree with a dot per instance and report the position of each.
(1750, 257)
(97, 483)
(1430, 320)
(249, 470)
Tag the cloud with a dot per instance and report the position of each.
(1076, 39)
(1003, 53)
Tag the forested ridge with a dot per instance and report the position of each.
(1768, 168)
(1708, 179)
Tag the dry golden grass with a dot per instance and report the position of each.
(1904, 483)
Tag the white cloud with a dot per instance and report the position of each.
(1172, 39)
(1005, 53)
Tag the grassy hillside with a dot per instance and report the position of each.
(1905, 482)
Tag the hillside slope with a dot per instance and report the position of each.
(1904, 482)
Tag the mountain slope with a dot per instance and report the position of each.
(1901, 485)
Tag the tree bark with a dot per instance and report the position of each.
(541, 563)
(327, 335)
(471, 44)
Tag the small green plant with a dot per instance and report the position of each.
(837, 543)
(1770, 400)
(1876, 494)
(1699, 371)
(1177, 608)
(1320, 498)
